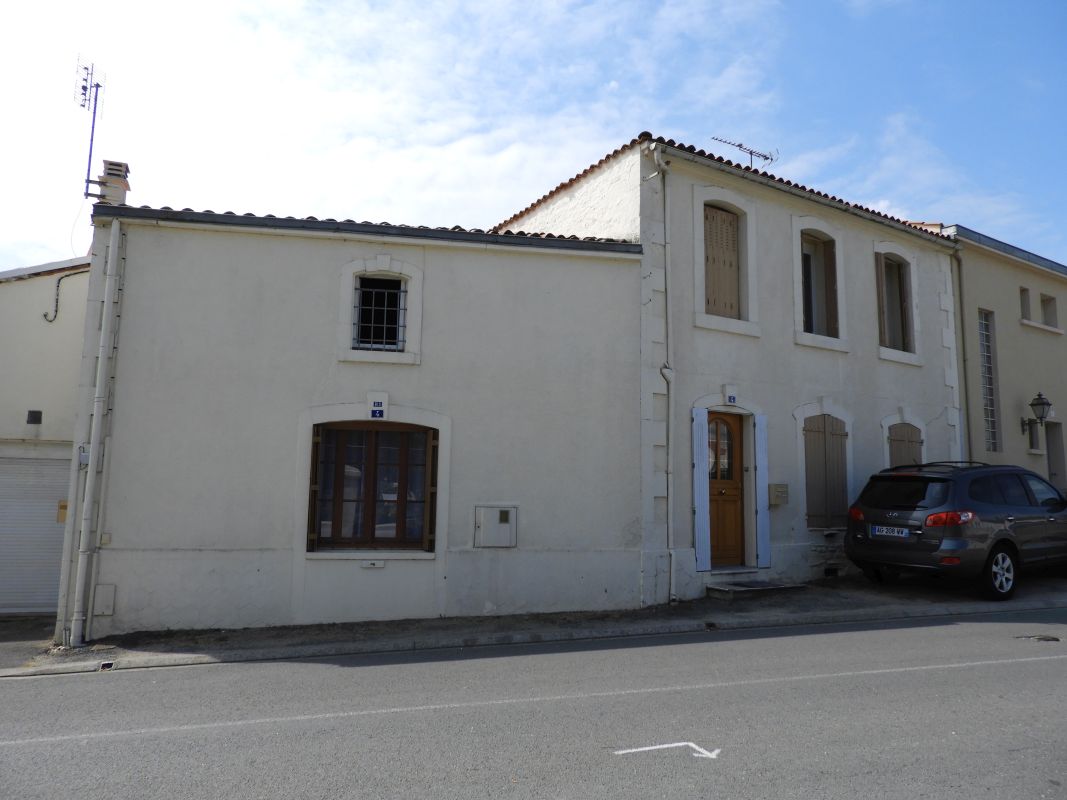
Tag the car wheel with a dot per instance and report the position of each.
(999, 575)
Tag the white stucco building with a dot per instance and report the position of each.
(791, 344)
(308, 420)
(42, 310)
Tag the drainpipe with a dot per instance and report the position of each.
(667, 370)
(96, 435)
(965, 412)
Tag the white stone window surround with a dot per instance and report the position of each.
(800, 336)
(905, 415)
(746, 213)
(381, 266)
(339, 412)
(822, 405)
(910, 258)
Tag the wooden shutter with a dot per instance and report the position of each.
(815, 470)
(826, 471)
(883, 310)
(313, 494)
(905, 308)
(722, 263)
(836, 473)
(905, 445)
(829, 255)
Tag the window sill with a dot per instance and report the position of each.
(899, 356)
(820, 342)
(370, 555)
(742, 327)
(378, 357)
(1042, 326)
(1032, 452)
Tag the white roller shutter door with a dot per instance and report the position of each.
(31, 539)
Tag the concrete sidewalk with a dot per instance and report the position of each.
(25, 646)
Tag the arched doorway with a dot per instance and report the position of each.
(726, 489)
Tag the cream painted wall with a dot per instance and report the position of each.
(529, 360)
(1029, 356)
(788, 375)
(39, 362)
(604, 203)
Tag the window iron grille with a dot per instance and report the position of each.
(380, 314)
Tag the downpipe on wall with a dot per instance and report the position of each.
(667, 370)
(96, 435)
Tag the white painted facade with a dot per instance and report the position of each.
(764, 366)
(525, 360)
(39, 362)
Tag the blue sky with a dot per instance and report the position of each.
(452, 113)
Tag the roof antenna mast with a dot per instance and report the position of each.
(89, 96)
(767, 158)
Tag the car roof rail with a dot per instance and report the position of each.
(945, 465)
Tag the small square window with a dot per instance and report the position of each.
(380, 314)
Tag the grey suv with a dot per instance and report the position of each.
(968, 519)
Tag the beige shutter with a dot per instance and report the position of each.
(815, 470)
(905, 445)
(722, 263)
(906, 338)
(883, 311)
(826, 471)
(829, 254)
(836, 473)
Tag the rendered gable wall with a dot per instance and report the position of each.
(604, 203)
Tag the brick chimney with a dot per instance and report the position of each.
(113, 184)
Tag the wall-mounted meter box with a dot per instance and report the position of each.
(496, 526)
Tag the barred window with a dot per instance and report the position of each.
(380, 314)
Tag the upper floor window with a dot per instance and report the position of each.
(1024, 302)
(1048, 311)
(819, 284)
(380, 311)
(722, 263)
(987, 366)
(895, 327)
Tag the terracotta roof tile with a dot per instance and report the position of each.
(645, 136)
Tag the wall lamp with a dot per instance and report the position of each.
(1040, 405)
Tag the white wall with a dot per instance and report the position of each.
(603, 203)
(529, 362)
(786, 375)
(39, 360)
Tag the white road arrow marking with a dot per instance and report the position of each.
(698, 752)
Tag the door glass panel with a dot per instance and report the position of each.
(416, 483)
(726, 453)
(325, 519)
(713, 450)
(416, 448)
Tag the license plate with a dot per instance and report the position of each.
(883, 530)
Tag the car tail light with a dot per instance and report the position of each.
(950, 561)
(950, 518)
(855, 514)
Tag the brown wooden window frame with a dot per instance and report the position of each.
(365, 538)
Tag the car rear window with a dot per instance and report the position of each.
(905, 492)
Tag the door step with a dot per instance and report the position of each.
(732, 590)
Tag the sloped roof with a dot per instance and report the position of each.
(51, 268)
(455, 233)
(748, 172)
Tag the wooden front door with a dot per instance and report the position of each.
(725, 483)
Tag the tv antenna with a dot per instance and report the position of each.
(89, 87)
(767, 158)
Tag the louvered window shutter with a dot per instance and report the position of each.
(722, 263)
(829, 254)
(883, 310)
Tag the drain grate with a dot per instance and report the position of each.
(1040, 637)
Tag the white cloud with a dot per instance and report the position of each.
(435, 113)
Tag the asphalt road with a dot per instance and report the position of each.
(946, 708)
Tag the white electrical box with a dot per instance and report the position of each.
(496, 526)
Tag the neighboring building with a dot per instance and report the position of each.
(791, 345)
(317, 421)
(1013, 348)
(42, 310)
